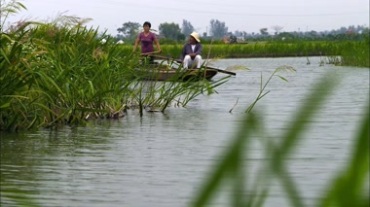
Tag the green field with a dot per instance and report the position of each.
(352, 53)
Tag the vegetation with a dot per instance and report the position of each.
(54, 75)
(345, 46)
(60, 73)
(351, 53)
(171, 31)
(219, 31)
(187, 27)
(234, 170)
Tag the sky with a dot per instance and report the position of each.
(238, 15)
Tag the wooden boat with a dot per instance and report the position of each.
(184, 75)
(163, 73)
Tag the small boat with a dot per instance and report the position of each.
(163, 73)
(168, 72)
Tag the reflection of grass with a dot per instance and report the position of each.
(18, 198)
(347, 189)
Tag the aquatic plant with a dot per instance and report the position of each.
(62, 73)
(252, 188)
(263, 86)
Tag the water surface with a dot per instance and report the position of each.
(160, 159)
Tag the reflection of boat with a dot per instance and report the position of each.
(171, 74)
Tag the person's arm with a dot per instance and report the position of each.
(199, 49)
(157, 45)
(137, 40)
(183, 52)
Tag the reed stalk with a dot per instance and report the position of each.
(57, 74)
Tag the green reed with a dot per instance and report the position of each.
(356, 53)
(59, 73)
(263, 86)
(251, 188)
(157, 96)
(353, 53)
(263, 49)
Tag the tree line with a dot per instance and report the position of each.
(218, 31)
(171, 31)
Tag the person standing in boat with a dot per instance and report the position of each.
(191, 54)
(147, 40)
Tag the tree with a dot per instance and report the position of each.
(264, 31)
(277, 29)
(171, 31)
(187, 27)
(285, 36)
(129, 29)
(218, 29)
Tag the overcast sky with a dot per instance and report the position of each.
(242, 15)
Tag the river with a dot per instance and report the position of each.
(161, 159)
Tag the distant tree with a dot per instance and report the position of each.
(187, 28)
(240, 33)
(285, 36)
(129, 29)
(264, 31)
(218, 29)
(277, 29)
(171, 31)
(232, 39)
(313, 34)
(119, 37)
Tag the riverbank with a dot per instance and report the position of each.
(351, 53)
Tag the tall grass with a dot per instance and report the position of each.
(59, 73)
(352, 53)
(356, 53)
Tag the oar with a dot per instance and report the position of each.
(150, 53)
(206, 66)
(160, 57)
(220, 70)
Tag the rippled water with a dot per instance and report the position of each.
(161, 159)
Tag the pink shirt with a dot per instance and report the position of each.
(147, 42)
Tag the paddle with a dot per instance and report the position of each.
(206, 66)
(220, 70)
(150, 53)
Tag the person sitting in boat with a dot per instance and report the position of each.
(191, 52)
(147, 40)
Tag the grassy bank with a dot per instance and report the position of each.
(352, 53)
(54, 75)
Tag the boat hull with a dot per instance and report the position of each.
(170, 74)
